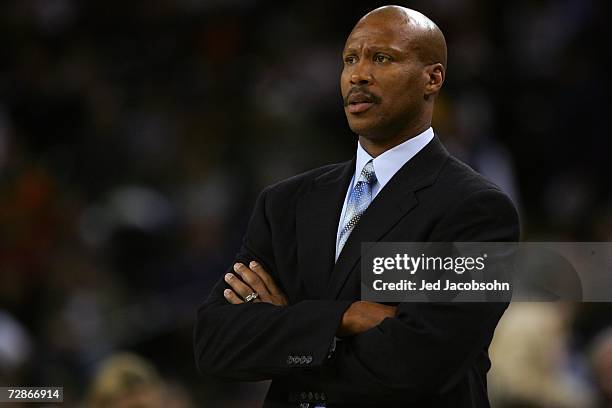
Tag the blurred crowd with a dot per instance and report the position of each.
(135, 136)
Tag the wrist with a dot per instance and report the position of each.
(362, 316)
(355, 319)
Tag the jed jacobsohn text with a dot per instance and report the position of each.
(406, 285)
(413, 264)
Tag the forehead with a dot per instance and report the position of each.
(380, 32)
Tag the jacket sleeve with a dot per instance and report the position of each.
(427, 347)
(258, 341)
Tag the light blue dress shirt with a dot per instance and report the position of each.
(385, 166)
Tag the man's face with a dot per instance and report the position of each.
(383, 81)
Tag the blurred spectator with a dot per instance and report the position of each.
(15, 349)
(531, 360)
(601, 362)
(128, 381)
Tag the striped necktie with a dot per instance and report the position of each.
(359, 199)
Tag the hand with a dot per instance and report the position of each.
(254, 279)
(362, 316)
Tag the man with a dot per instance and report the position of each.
(289, 309)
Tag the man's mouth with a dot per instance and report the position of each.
(358, 102)
(358, 107)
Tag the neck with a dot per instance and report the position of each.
(376, 146)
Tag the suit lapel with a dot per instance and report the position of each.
(391, 204)
(318, 213)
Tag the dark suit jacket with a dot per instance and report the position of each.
(429, 355)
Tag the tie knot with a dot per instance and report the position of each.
(367, 173)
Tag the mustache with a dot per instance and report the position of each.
(360, 89)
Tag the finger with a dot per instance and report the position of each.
(239, 288)
(265, 277)
(231, 297)
(252, 279)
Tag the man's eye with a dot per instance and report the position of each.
(381, 58)
(350, 60)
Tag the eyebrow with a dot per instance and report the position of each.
(374, 48)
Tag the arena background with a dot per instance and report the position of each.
(135, 136)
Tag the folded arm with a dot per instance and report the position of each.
(262, 340)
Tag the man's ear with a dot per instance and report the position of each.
(435, 78)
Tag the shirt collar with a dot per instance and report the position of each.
(388, 163)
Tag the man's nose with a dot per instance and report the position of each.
(361, 75)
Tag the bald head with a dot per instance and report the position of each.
(422, 35)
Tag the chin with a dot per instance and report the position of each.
(369, 132)
(361, 126)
